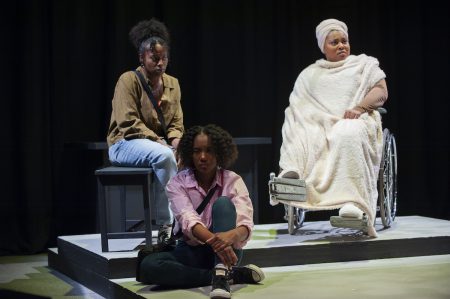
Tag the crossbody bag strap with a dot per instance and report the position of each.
(199, 209)
(206, 200)
(149, 92)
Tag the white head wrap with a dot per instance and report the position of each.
(325, 27)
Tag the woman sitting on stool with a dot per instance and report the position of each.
(212, 242)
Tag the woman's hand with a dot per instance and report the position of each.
(228, 256)
(224, 239)
(220, 241)
(352, 114)
(175, 143)
(222, 244)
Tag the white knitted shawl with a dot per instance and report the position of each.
(338, 158)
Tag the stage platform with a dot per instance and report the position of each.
(112, 274)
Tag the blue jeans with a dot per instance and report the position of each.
(190, 266)
(147, 153)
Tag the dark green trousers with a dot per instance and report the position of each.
(190, 266)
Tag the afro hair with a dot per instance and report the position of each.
(147, 29)
(221, 141)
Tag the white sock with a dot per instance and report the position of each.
(220, 269)
(349, 210)
(289, 174)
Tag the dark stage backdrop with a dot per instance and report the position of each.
(236, 62)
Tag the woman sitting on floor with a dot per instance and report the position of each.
(212, 242)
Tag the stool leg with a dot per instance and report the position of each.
(123, 209)
(102, 214)
(147, 191)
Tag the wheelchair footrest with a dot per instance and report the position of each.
(286, 181)
(287, 189)
(345, 222)
(292, 197)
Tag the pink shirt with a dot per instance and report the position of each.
(185, 195)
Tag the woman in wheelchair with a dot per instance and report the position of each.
(332, 133)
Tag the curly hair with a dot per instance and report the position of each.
(222, 143)
(148, 32)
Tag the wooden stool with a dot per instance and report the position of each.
(124, 176)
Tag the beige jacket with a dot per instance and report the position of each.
(133, 115)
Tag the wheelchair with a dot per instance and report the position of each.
(292, 190)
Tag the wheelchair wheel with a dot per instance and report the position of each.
(294, 217)
(387, 180)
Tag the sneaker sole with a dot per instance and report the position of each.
(257, 273)
(219, 294)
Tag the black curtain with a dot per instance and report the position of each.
(236, 62)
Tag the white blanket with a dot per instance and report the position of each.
(338, 158)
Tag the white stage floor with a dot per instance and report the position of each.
(109, 273)
(276, 235)
(397, 278)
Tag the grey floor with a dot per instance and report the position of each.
(408, 277)
(30, 274)
(413, 277)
